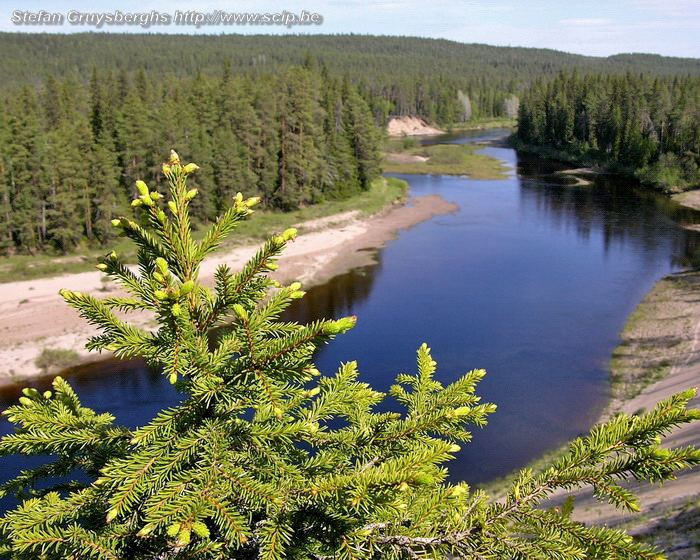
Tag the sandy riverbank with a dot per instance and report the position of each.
(34, 317)
(410, 126)
(690, 199)
(661, 340)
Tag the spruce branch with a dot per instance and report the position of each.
(265, 457)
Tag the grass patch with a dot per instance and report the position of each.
(53, 359)
(450, 159)
(384, 192)
(261, 225)
(482, 124)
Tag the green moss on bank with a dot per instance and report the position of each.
(482, 124)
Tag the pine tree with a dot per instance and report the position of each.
(134, 136)
(104, 172)
(342, 170)
(266, 149)
(66, 174)
(267, 458)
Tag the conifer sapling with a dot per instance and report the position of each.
(268, 458)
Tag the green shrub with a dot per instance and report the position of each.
(55, 359)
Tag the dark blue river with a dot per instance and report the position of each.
(532, 279)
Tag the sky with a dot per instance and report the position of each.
(598, 28)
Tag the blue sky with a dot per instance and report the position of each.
(668, 27)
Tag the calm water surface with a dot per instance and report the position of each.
(531, 279)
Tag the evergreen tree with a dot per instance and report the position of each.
(266, 148)
(649, 128)
(106, 203)
(68, 205)
(23, 157)
(300, 162)
(236, 141)
(342, 169)
(363, 137)
(6, 242)
(134, 137)
(265, 459)
(51, 102)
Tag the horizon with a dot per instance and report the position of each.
(667, 28)
(339, 34)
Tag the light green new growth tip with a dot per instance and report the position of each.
(267, 458)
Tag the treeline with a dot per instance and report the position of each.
(34, 56)
(395, 75)
(441, 99)
(71, 151)
(649, 126)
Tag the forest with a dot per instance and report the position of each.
(645, 125)
(297, 119)
(263, 454)
(401, 75)
(266, 457)
(71, 152)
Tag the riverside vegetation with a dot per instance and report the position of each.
(448, 159)
(268, 458)
(644, 125)
(293, 131)
(274, 114)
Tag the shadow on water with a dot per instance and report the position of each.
(532, 279)
(336, 298)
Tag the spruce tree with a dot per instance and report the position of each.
(6, 243)
(300, 155)
(342, 170)
(363, 137)
(22, 159)
(266, 457)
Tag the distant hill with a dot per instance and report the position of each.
(30, 58)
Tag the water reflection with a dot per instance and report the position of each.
(618, 207)
(466, 136)
(336, 298)
(532, 279)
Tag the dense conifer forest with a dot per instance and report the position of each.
(293, 119)
(403, 75)
(254, 462)
(72, 151)
(646, 125)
